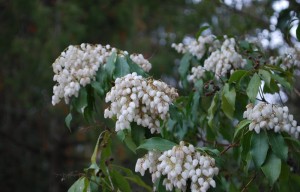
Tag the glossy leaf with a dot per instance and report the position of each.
(278, 146)
(266, 76)
(282, 81)
(122, 67)
(68, 120)
(298, 32)
(157, 143)
(98, 88)
(133, 177)
(240, 127)
(135, 68)
(272, 168)
(228, 100)
(110, 64)
(81, 185)
(212, 109)
(184, 65)
(237, 75)
(203, 28)
(82, 101)
(120, 182)
(253, 87)
(259, 148)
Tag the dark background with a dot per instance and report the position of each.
(37, 151)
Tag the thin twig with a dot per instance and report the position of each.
(229, 147)
(245, 187)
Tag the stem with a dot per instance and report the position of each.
(109, 178)
(245, 187)
(229, 147)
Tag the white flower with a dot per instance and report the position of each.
(224, 60)
(198, 47)
(141, 61)
(135, 99)
(271, 117)
(288, 60)
(179, 165)
(76, 67)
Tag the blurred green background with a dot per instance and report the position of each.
(37, 151)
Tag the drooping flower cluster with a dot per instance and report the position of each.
(225, 59)
(141, 61)
(75, 67)
(290, 59)
(271, 117)
(180, 164)
(197, 73)
(198, 47)
(135, 99)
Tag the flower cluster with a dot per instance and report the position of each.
(180, 164)
(135, 99)
(224, 59)
(141, 61)
(290, 59)
(75, 67)
(198, 47)
(197, 73)
(269, 116)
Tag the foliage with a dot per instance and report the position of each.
(205, 116)
(34, 142)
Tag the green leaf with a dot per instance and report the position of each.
(81, 185)
(237, 75)
(259, 148)
(133, 177)
(121, 135)
(137, 133)
(135, 68)
(98, 88)
(228, 101)
(240, 127)
(94, 156)
(246, 147)
(159, 185)
(196, 100)
(120, 182)
(130, 144)
(110, 64)
(105, 150)
(253, 87)
(266, 76)
(278, 145)
(209, 151)
(82, 101)
(298, 32)
(122, 67)
(68, 120)
(199, 32)
(157, 143)
(212, 109)
(272, 168)
(245, 45)
(184, 65)
(273, 87)
(282, 81)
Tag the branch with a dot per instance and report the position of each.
(245, 187)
